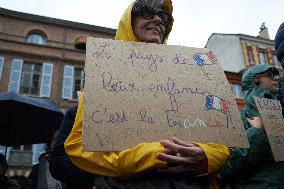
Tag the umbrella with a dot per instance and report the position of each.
(26, 120)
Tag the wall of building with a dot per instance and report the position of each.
(237, 52)
(59, 50)
(256, 45)
(228, 51)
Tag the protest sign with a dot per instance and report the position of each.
(271, 115)
(139, 92)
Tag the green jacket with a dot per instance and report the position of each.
(254, 167)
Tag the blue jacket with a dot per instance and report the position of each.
(60, 166)
(279, 48)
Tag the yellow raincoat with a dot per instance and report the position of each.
(141, 158)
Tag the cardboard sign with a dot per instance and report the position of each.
(271, 115)
(138, 92)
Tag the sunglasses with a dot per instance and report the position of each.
(273, 75)
(149, 13)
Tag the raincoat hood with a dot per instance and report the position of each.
(248, 83)
(248, 77)
(124, 29)
(250, 89)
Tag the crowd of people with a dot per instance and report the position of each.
(170, 163)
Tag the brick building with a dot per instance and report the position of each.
(41, 57)
(237, 52)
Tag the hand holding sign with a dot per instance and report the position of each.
(271, 114)
(256, 122)
(183, 157)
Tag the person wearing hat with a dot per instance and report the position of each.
(279, 50)
(166, 164)
(254, 167)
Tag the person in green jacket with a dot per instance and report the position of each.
(255, 167)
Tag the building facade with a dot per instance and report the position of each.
(237, 52)
(44, 58)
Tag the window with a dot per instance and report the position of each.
(36, 38)
(73, 81)
(24, 154)
(276, 62)
(3, 149)
(31, 78)
(250, 56)
(262, 56)
(78, 81)
(237, 90)
(1, 65)
(37, 149)
(22, 148)
(19, 155)
(80, 43)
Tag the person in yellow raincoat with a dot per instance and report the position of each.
(147, 165)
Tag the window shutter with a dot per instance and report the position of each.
(237, 90)
(3, 150)
(68, 82)
(38, 149)
(1, 66)
(262, 58)
(276, 62)
(15, 75)
(8, 153)
(46, 80)
(269, 55)
(250, 57)
(256, 56)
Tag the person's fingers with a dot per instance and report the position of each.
(255, 118)
(173, 147)
(255, 122)
(251, 121)
(184, 151)
(169, 145)
(183, 143)
(172, 159)
(169, 152)
(190, 163)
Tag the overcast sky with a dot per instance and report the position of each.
(195, 20)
